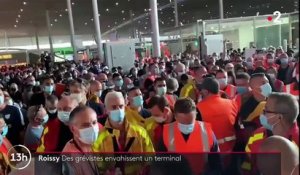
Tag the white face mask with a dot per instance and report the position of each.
(89, 135)
(77, 97)
(63, 116)
(52, 111)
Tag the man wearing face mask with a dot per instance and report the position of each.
(121, 136)
(118, 81)
(285, 71)
(222, 121)
(134, 111)
(242, 83)
(278, 119)
(188, 135)
(85, 128)
(14, 119)
(48, 89)
(161, 114)
(270, 61)
(229, 89)
(37, 117)
(51, 107)
(57, 133)
(250, 107)
(78, 92)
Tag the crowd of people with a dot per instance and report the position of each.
(181, 104)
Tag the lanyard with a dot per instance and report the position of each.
(94, 169)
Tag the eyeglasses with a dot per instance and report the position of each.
(272, 112)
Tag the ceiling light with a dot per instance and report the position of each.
(124, 19)
(60, 15)
(66, 10)
(19, 16)
(86, 23)
(92, 19)
(24, 3)
(122, 11)
(73, 3)
(15, 26)
(21, 10)
(117, 3)
(107, 10)
(55, 20)
(108, 26)
(51, 25)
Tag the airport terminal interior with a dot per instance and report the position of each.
(149, 87)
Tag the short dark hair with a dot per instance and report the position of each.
(221, 71)
(77, 110)
(259, 69)
(116, 75)
(211, 85)
(51, 99)
(158, 79)
(256, 75)
(159, 101)
(184, 105)
(132, 89)
(243, 75)
(184, 77)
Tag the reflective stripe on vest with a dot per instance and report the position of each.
(232, 91)
(204, 135)
(252, 139)
(288, 89)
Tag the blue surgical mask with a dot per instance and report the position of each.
(186, 129)
(241, 89)
(117, 115)
(119, 83)
(266, 90)
(48, 89)
(4, 131)
(1, 99)
(99, 93)
(264, 122)
(63, 116)
(46, 118)
(37, 131)
(222, 81)
(284, 61)
(138, 101)
(161, 90)
(1, 139)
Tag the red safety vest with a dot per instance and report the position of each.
(289, 88)
(231, 91)
(171, 100)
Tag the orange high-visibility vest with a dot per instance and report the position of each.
(231, 91)
(200, 140)
(171, 100)
(221, 114)
(289, 88)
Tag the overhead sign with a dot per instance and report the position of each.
(5, 57)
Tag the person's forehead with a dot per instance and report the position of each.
(115, 101)
(86, 116)
(155, 110)
(270, 103)
(133, 92)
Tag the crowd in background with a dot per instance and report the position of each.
(234, 102)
